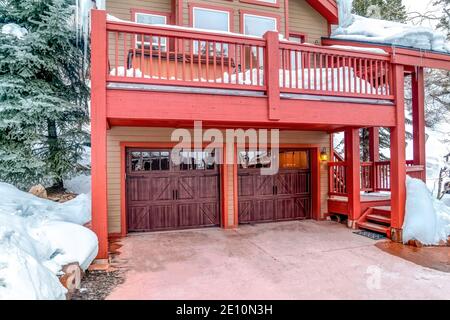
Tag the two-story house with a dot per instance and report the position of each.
(159, 65)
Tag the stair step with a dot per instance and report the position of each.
(374, 227)
(383, 210)
(379, 218)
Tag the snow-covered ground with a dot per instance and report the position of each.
(37, 238)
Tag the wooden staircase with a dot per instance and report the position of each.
(377, 219)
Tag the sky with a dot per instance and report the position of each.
(421, 6)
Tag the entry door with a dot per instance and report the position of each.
(283, 196)
(164, 196)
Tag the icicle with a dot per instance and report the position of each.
(345, 13)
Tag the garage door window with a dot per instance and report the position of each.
(294, 160)
(150, 161)
(197, 160)
(254, 159)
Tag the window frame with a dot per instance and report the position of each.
(300, 35)
(263, 3)
(259, 14)
(167, 17)
(227, 10)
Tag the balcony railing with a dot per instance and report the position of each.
(374, 176)
(170, 55)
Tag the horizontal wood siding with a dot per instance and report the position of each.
(122, 8)
(138, 134)
(236, 6)
(304, 19)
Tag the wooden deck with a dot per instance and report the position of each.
(339, 204)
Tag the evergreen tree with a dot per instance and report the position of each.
(392, 10)
(43, 93)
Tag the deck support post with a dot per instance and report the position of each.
(418, 118)
(374, 153)
(272, 73)
(98, 131)
(398, 158)
(353, 159)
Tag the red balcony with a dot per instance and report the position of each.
(174, 56)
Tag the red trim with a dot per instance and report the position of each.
(398, 160)
(235, 189)
(123, 203)
(180, 5)
(286, 17)
(327, 8)
(242, 12)
(193, 5)
(262, 3)
(352, 157)
(300, 35)
(98, 131)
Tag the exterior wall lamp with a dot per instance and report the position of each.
(324, 155)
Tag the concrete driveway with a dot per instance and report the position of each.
(292, 260)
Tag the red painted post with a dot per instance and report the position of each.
(352, 157)
(98, 130)
(418, 118)
(272, 74)
(398, 161)
(374, 153)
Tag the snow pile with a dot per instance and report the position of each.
(354, 27)
(426, 220)
(37, 238)
(341, 79)
(14, 30)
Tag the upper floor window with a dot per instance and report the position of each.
(211, 19)
(151, 18)
(255, 25)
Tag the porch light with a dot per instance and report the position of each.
(324, 155)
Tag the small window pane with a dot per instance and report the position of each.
(258, 25)
(136, 161)
(268, 1)
(294, 160)
(254, 159)
(211, 19)
(151, 19)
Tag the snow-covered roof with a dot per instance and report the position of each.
(391, 33)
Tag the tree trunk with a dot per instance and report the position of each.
(53, 151)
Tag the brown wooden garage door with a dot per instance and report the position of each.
(164, 196)
(283, 196)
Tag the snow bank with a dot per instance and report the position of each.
(38, 237)
(341, 79)
(15, 30)
(354, 27)
(426, 220)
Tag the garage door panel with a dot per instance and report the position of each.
(161, 188)
(210, 213)
(138, 218)
(263, 185)
(263, 210)
(162, 217)
(245, 208)
(207, 187)
(246, 185)
(289, 208)
(187, 187)
(293, 183)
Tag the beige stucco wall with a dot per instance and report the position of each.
(138, 134)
